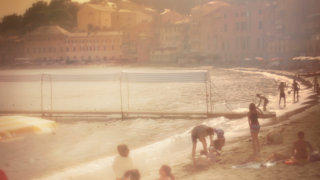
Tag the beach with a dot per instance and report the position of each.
(238, 153)
(84, 149)
(235, 163)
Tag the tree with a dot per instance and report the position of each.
(58, 12)
(63, 13)
(11, 25)
(35, 16)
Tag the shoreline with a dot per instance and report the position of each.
(234, 142)
(236, 151)
(181, 166)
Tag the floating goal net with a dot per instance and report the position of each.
(126, 93)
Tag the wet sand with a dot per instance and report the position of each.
(76, 150)
(237, 152)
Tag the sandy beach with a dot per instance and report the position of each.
(237, 152)
(85, 149)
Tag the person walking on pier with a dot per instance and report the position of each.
(254, 125)
(295, 88)
(281, 89)
(201, 132)
(265, 101)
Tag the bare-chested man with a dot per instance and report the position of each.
(301, 149)
(295, 88)
(281, 88)
(201, 132)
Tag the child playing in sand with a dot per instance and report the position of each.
(265, 101)
(220, 141)
(213, 155)
(301, 150)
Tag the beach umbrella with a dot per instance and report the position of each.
(275, 59)
(259, 58)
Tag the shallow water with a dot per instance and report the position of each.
(153, 142)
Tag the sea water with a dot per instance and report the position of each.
(84, 149)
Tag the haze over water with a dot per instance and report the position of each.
(153, 141)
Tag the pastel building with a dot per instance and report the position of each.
(91, 16)
(54, 44)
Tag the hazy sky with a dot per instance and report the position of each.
(18, 6)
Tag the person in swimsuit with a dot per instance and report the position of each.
(295, 88)
(281, 88)
(301, 148)
(265, 101)
(254, 125)
(200, 132)
(315, 84)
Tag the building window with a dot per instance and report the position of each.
(260, 24)
(243, 26)
(260, 11)
(225, 28)
(67, 49)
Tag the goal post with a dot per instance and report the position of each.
(152, 92)
(168, 76)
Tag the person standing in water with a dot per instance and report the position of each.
(200, 132)
(295, 88)
(281, 89)
(315, 84)
(254, 127)
(265, 101)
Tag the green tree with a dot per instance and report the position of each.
(11, 25)
(58, 12)
(63, 13)
(35, 16)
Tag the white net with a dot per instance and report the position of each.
(156, 91)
